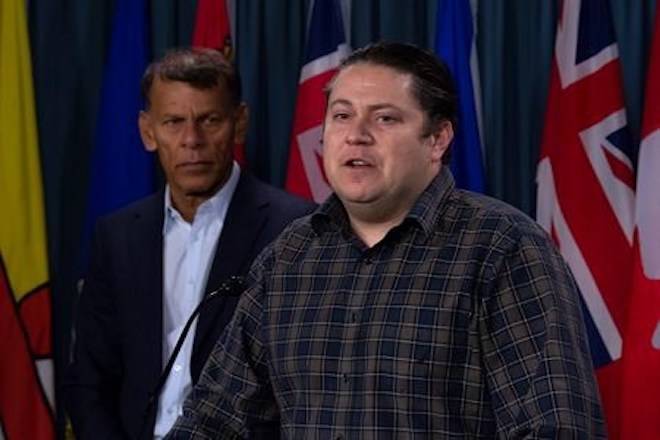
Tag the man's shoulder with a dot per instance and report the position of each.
(490, 215)
(151, 206)
(278, 200)
(295, 240)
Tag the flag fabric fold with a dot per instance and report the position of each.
(26, 370)
(586, 183)
(326, 47)
(212, 26)
(640, 417)
(213, 30)
(121, 171)
(455, 43)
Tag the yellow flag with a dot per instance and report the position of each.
(26, 371)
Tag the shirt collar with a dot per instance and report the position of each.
(425, 212)
(217, 205)
(330, 215)
(431, 203)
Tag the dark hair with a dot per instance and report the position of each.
(199, 67)
(432, 83)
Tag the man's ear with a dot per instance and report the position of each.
(441, 138)
(241, 127)
(146, 131)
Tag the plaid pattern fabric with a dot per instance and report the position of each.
(463, 322)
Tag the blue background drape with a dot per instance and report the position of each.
(515, 42)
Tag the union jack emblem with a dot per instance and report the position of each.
(326, 47)
(585, 176)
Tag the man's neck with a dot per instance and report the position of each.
(372, 230)
(187, 206)
(372, 234)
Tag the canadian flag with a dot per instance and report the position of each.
(326, 47)
(640, 404)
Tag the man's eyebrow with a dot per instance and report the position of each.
(384, 105)
(341, 101)
(371, 107)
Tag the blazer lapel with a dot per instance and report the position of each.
(233, 256)
(148, 250)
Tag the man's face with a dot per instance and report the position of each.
(193, 131)
(376, 155)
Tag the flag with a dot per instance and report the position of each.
(212, 30)
(26, 370)
(640, 418)
(212, 26)
(586, 182)
(455, 43)
(326, 47)
(121, 171)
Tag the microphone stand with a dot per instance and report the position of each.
(233, 286)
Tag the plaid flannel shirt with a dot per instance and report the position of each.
(463, 322)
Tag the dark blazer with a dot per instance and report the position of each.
(118, 348)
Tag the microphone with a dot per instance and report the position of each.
(232, 286)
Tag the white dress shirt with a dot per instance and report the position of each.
(188, 252)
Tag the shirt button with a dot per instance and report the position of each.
(177, 368)
(367, 261)
(354, 317)
(339, 437)
(345, 377)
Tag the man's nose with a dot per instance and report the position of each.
(359, 132)
(192, 135)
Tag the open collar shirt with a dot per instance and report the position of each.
(188, 251)
(463, 322)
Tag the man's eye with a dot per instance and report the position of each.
(340, 116)
(212, 120)
(172, 121)
(386, 119)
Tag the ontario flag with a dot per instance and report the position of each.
(213, 30)
(640, 404)
(26, 369)
(586, 183)
(326, 47)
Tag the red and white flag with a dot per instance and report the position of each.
(640, 404)
(326, 47)
(586, 183)
(213, 30)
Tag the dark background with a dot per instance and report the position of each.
(69, 40)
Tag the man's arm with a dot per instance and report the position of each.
(93, 379)
(233, 398)
(539, 371)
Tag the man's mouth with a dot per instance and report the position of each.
(357, 163)
(194, 164)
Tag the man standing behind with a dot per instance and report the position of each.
(403, 307)
(155, 260)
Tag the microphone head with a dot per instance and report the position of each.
(232, 286)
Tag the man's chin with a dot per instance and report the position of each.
(201, 192)
(201, 187)
(358, 199)
(204, 190)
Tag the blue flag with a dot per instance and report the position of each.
(121, 171)
(454, 43)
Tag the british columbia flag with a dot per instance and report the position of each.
(586, 182)
(326, 47)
